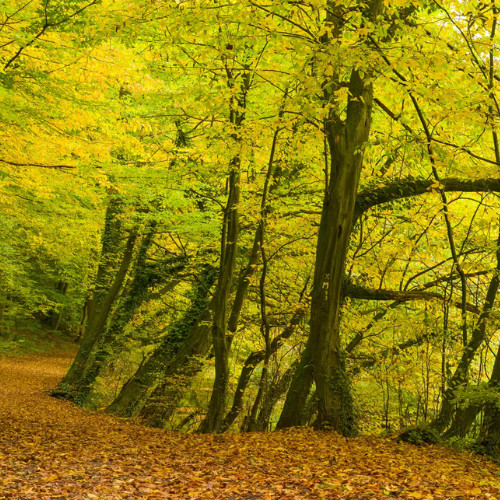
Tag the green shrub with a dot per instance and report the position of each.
(419, 436)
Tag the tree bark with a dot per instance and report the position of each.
(216, 408)
(294, 408)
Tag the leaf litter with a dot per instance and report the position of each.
(51, 449)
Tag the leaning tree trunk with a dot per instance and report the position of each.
(164, 399)
(161, 402)
(144, 277)
(187, 340)
(277, 389)
(109, 281)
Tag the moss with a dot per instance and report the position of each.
(419, 436)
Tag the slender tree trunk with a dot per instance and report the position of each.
(216, 408)
(459, 378)
(229, 246)
(252, 362)
(276, 390)
(293, 411)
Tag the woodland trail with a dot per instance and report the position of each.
(51, 449)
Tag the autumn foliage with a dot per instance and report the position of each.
(250, 216)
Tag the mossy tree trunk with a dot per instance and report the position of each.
(188, 339)
(114, 264)
(144, 276)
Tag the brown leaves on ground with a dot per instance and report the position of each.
(50, 449)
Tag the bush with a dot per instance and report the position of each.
(419, 436)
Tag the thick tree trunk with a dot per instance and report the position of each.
(334, 399)
(346, 139)
(162, 364)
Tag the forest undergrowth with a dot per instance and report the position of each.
(51, 449)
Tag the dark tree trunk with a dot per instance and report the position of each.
(277, 389)
(489, 437)
(346, 139)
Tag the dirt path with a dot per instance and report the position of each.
(50, 449)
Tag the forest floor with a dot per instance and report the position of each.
(51, 449)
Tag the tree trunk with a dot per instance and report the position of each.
(144, 278)
(251, 363)
(292, 413)
(346, 139)
(167, 395)
(478, 336)
(217, 405)
(489, 437)
(188, 338)
(229, 246)
(98, 313)
(276, 390)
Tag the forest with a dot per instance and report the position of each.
(255, 215)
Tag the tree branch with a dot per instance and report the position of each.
(410, 187)
(359, 292)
